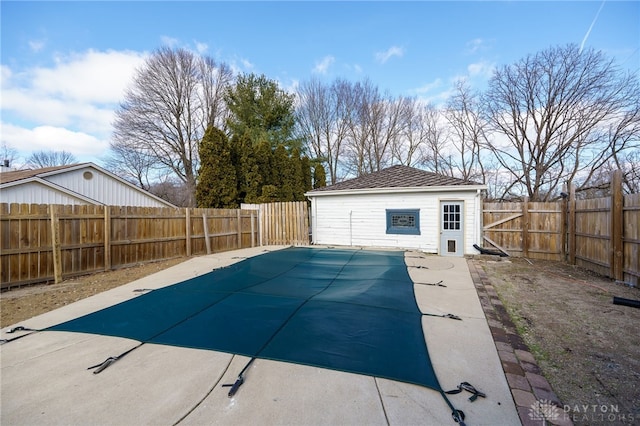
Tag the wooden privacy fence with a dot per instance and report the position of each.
(527, 229)
(600, 234)
(40, 243)
(284, 223)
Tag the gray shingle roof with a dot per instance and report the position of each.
(396, 177)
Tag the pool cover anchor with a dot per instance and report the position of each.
(469, 388)
(239, 381)
(438, 284)
(99, 368)
(450, 316)
(458, 417)
(18, 328)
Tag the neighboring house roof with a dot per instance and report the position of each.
(41, 176)
(7, 177)
(397, 178)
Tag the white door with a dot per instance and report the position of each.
(451, 228)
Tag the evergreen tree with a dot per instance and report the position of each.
(319, 176)
(216, 186)
(264, 163)
(283, 174)
(250, 178)
(297, 176)
(307, 178)
(269, 194)
(260, 109)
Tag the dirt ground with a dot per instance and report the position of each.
(26, 302)
(587, 347)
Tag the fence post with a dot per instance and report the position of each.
(205, 227)
(525, 227)
(253, 241)
(239, 229)
(187, 218)
(55, 244)
(261, 224)
(572, 224)
(617, 223)
(563, 225)
(107, 238)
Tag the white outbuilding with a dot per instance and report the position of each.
(401, 207)
(77, 184)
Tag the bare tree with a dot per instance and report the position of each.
(174, 97)
(216, 78)
(132, 164)
(388, 120)
(551, 109)
(372, 127)
(322, 121)
(40, 159)
(622, 140)
(435, 158)
(7, 154)
(360, 100)
(409, 147)
(463, 113)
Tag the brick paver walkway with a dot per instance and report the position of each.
(525, 378)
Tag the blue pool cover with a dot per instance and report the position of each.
(347, 310)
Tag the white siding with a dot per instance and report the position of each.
(103, 188)
(360, 220)
(36, 193)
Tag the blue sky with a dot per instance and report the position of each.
(65, 65)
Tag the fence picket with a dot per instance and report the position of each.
(40, 243)
(599, 234)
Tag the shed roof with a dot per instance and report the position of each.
(396, 177)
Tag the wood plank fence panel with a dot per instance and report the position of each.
(599, 234)
(284, 223)
(593, 226)
(97, 238)
(528, 229)
(631, 239)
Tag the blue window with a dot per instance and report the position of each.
(403, 222)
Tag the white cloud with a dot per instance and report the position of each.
(5, 75)
(426, 88)
(292, 87)
(50, 138)
(69, 105)
(475, 45)
(36, 45)
(322, 67)
(384, 56)
(169, 41)
(92, 76)
(201, 48)
(481, 69)
(434, 93)
(240, 65)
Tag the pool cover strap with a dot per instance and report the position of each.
(107, 362)
(18, 328)
(466, 386)
(239, 381)
(347, 310)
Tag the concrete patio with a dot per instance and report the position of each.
(44, 376)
